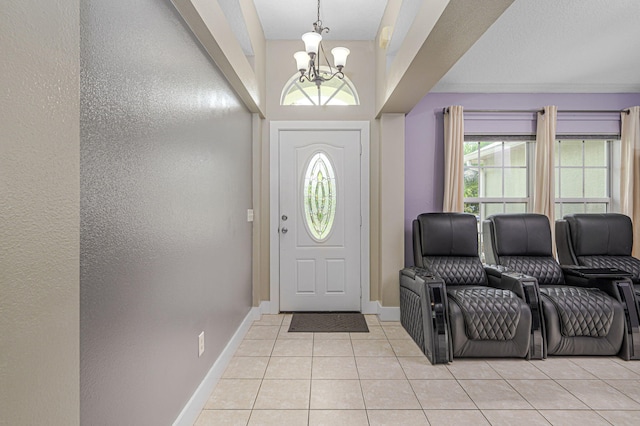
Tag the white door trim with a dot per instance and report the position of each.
(276, 127)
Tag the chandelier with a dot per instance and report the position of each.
(308, 62)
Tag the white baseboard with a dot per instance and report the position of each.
(192, 410)
(388, 313)
(265, 307)
(370, 308)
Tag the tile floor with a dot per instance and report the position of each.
(382, 378)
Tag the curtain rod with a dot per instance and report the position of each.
(533, 111)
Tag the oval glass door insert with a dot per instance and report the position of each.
(319, 196)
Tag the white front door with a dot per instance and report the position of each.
(319, 220)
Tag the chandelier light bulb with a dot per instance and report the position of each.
(311, 42)
(340, 56)
(302, 60)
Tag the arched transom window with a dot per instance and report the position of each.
(332, 92)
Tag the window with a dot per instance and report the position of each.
(332, 92)
(319, 196)
(496, 177)
(582, 175)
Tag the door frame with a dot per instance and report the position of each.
(366, 306)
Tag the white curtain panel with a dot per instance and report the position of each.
(544, 183)
(630, 172)
(453, 160)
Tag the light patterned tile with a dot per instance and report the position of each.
(372, 319)
(547, 394)
(574, 418)
(517, 369)
(456, 417)
(375, 333)
(283, 395)
(494, 395)
(515, 417)
(631, 388)
(336, 395)
(383, 368)
(289, 368)
(286, 321)
(285, 335)
(279, 417)
(259, 348)
(223, 418)
(395, 332)
(334, 368)
(269, 320)
(372, 348)
(472, 369)
(389, 395)
(598, 395)
(397, 417)
(331, 336)
(262, 332)
(332, 348)
(442, 395)
(605, 368)
(246, 367)
(421, 368)
(405, 348)
(293, 348)
(622, 417)
(233, 394)
(338, 417)
(562, 369)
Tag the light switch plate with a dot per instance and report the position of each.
(249, 215)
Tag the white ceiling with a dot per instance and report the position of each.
(535, 46)
(347, 19)
(554, 46)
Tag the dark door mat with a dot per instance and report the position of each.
(328, 322)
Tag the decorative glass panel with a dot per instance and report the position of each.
(319, 196)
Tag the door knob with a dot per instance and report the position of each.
(284, 217)
(284, 230)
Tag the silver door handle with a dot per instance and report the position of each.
(284, 230)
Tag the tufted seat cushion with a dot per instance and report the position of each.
(582, 311)
(489, 313)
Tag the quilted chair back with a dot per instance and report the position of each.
(447, 245)
(522, 242)
(601, 241)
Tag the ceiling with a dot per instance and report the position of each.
(535, 46)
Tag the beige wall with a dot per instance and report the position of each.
(39, 212)
(391, 207)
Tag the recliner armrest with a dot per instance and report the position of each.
(434, 310)
(526, 287)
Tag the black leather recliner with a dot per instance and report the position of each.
(598, 240)
(578, 320)
(451, 307)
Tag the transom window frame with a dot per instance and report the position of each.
(305, 87)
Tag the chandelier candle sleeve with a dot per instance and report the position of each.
(311, 42)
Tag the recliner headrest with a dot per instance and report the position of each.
(521, 235)
(600, 234)
(448, 234)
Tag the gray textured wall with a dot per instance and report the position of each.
(39, 212)
(165, 175)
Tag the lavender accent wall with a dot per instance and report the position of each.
(424, 135)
